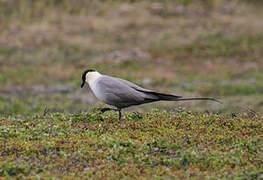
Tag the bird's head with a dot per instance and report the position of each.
(88, 76)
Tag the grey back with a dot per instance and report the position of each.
(121, 93)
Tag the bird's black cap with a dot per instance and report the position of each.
(84, 76)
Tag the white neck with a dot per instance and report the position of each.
(92, 76)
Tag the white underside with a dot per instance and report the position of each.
(92, 79)
(96, 90)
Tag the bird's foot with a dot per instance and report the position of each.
(103, 110)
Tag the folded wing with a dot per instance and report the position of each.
(122, 93)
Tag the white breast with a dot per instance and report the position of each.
(96, 89)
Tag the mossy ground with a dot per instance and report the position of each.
(154, 145)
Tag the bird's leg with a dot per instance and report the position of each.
(119, 114)
(103, 110)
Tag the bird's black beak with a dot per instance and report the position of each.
(82, 85)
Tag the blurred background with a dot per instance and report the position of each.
(194, 48)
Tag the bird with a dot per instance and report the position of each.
(121, 93)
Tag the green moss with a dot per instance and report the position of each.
(159, 144)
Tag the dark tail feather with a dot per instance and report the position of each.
(166, 97)
(169, 97)
(194, 99)
(161, 96)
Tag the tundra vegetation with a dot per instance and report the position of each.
(50, 127)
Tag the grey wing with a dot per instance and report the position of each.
(151, 95)
(134, 86)
(122, 93)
